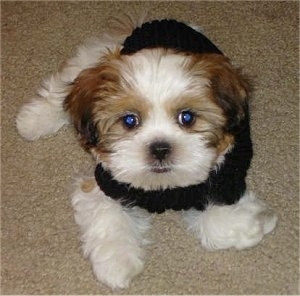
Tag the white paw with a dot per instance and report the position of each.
(40, 118)
(112, 236)
(116, 266)
(239, 226)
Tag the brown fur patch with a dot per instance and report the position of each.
(224, 143)
(88, 185)
(229, 87)
(92, 85)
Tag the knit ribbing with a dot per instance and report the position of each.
(168, 34)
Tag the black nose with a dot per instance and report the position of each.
(160, 150)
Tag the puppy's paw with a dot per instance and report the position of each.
(116, 269)
(40, 118)
(112, 236)
(242, 225)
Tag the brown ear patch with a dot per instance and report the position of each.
(229, 86)
(90, 86)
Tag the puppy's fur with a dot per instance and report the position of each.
(130, 112)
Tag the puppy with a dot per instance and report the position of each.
(165, 114)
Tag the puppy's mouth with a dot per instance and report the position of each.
(160, 168)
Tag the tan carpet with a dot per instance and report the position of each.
(40, 247)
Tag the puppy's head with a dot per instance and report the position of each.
(158, 118)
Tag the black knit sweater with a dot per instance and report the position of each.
(223, 186)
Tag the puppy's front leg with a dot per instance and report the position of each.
(111, 234)
(45, 113)
(241, 225)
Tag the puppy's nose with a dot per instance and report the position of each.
(160, 150)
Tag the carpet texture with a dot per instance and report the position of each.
(40, 248)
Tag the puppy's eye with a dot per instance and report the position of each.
(186, 118)
(130, 120)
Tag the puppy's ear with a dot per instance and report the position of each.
(79, 104)
(91, 86)
(230, 89)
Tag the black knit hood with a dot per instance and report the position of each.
(168, 34)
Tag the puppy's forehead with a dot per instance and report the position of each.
(159, 76)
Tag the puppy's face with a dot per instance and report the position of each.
(158, 119)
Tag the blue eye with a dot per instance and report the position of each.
(130, 120)
(186, 118)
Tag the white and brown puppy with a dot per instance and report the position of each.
(165, 114)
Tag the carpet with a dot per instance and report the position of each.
(40, 248)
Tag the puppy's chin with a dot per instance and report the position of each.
(190, 163)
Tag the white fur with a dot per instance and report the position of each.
(239, 226)
(111, 236)
(161, 77)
